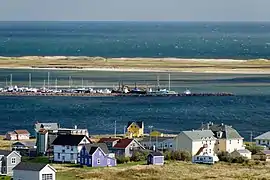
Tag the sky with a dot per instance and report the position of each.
(134, 10)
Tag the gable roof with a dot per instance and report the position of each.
(199, 134)
(5, 152)
(265, 136)
(155, 153)
(138, 123)
(91, 148)
(228, 132)
(71, 140)
(31, 166)
(21, 131)
(25, 143)
(103, 140)
(47, 126)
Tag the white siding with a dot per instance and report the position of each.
(23, 136)
(234, 144)
(46, 170)
(25, 175)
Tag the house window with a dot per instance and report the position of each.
(13, 160)
(210, 142)
(63, 151)
(218, 142)
(210, 151)
(47, 177)
(98, 161)
(67, 147)
(230, 141)
(71, 156)
(171, 145)
(58, 155)
(108, 161)
(238, 141)
(71, 148)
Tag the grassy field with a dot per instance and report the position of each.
(170, 171)
(167, 64)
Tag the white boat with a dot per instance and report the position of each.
(187, 92)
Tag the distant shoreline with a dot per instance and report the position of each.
(220, 66)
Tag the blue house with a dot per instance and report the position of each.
(96, 155)
(155, 158)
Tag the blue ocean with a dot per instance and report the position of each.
(237, 40)
(248, 111)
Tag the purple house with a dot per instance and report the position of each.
(155, 158)
(96, 155)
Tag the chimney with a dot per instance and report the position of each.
(208, 124)
(75, 127)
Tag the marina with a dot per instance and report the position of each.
(52, 89)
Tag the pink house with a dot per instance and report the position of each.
(21, 134)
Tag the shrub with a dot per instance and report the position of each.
(254, 149)
(226, 157)
(122, 159)
(139, 156)
(177, 155)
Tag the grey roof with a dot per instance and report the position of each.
(199, 134)
(227, 131)
(29, 166)
(264, 136)
(243, 151)
(91, 148)
(47, 126)
(25, 144)
(5, 152)
(155, 153)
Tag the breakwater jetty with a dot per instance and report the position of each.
(112, 94)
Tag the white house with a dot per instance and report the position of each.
(263, 139)
(228, 139)
(33, 171)
(161, 143)
(197, 142)
(67, 147)
(21, 134)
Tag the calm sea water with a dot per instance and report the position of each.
(136, 39)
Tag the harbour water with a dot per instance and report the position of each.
(247, 111)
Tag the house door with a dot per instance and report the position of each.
(63, 158)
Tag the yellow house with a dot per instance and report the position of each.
(156, 134)
(135, 129)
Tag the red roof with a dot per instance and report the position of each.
(21, 131)
(123, 143)
(103, 140)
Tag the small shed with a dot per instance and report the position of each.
(242, 152)
(155, 158)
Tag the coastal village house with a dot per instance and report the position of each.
(263, 155)
(241, 152)
(8, 160)
(135, 129)
(46, 133)
(161, 143)
(197, 142)
(122, 147)
(96, 155)
(67, 147)
(155, 158)
(34, 171)
(263, 139)
(17, 135)
(26, 148)
(228, 139)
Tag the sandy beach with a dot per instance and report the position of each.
(258, 66)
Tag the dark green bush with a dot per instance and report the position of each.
(122, 159)
(177, 155)
(139, 156)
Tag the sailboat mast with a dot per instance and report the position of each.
(56, 84)
(48, 80)
(10, 80)
(30, 79)
(169, 81)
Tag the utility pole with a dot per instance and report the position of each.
(150, 145)
(251, 136)
(125, 130)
